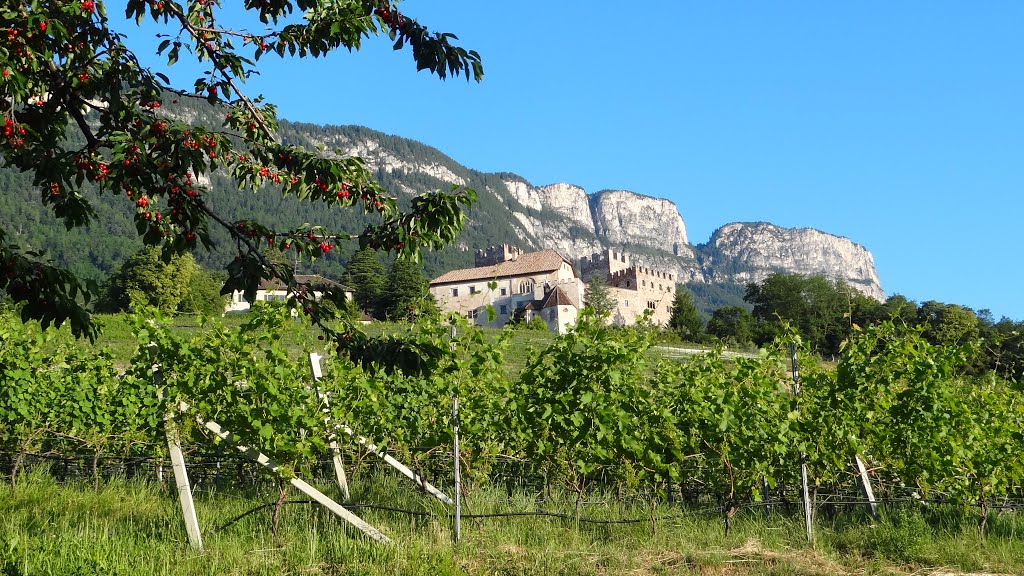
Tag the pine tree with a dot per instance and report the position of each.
(685, 318)
(597, 297)
(405, 295)
(365, 276)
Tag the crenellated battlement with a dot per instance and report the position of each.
(496, 254)
(616, 267)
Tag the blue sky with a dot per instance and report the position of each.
(897, 125)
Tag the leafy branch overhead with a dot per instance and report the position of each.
(85, 117)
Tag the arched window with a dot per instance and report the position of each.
(526, 286)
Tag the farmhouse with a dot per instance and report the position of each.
(633, 288)
(274, 291)
(516, 284)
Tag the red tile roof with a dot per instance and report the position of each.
(525, 264)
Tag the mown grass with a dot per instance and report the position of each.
(135, 527)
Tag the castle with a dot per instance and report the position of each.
(521, 285)
(633, 288)
(516, 285)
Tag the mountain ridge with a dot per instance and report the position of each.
(510, 209)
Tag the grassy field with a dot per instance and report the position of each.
(134, 527)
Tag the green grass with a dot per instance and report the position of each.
(134, 527)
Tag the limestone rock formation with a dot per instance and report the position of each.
(556, 216)
(622, 217)
(651, 230)
(749, 252)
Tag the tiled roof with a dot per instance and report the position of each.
(557, 297)
(311, 280)
(528, 263)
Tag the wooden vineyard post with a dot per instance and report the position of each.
(302, 486)
(188, 508)
(402, 468)
(865, 484)
(803, 457)
(390, 460)
(455, 450)
(458, 471)
(339, 466)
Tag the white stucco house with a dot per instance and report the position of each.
(274, 291)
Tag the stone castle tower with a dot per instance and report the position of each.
(634, 288)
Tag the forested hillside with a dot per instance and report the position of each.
(97, 251)
(508, 209)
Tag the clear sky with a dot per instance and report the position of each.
(899, 125)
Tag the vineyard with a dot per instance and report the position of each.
(590, 414)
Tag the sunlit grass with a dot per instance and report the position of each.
(135, 527)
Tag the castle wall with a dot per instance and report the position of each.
(633, 287)
(493, 255)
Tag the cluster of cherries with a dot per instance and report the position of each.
(13, 133)
(393, 18)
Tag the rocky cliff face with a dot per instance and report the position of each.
(564, 217)
(749, 252)
(555, 216)
(622, 217)
(651, 230)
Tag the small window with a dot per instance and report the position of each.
(472, 289)
(652, 305)
(473, 314)
(625, 303)
(644, 282)
(503, 308)
(455, 291)
(504, 291)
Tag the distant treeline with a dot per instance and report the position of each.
(826, 313)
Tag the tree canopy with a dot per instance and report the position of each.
(84, 118)
(365, 276)
(597, 297)
(405, 295)
(685, 318)
(177, 285)
(731, 324)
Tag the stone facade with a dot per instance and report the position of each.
(633, 288)
(516, 284)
